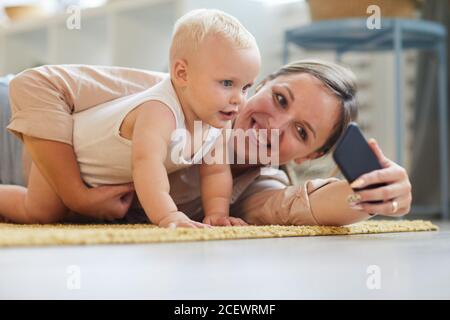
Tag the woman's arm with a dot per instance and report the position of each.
(60, 90)
(326, 201)
(316, 202)
(50, 94)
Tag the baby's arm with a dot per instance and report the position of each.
(216, 184)
(151, 137)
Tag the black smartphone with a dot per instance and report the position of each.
(354, 156)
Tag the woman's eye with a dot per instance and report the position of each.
(281, 100)
(302, 133)
(246, 88)
(227, 83)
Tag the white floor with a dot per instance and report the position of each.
(400, 265)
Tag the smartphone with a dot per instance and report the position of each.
(354, 156)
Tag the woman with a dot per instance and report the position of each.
(309, 102)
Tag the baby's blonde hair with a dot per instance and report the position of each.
(190, 30)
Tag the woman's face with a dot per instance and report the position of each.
(300, 107)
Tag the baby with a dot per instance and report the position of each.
(214, 60)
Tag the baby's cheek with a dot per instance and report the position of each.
(221, 97)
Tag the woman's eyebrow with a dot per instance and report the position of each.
(289, 91)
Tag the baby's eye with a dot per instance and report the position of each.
(302, 133)
(281, 100)
(227, 83)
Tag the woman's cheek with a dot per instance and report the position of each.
(283, 154)
(288, 149)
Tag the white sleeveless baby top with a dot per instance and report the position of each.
(104, 157)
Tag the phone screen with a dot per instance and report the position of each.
(354, 156)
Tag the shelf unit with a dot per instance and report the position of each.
(117, 33)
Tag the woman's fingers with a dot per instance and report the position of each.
(397, 188)
(387, 208)
(390, 174)
(379, 153)
(384, 193)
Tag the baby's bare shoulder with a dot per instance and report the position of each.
(153, 108)
(154, 115)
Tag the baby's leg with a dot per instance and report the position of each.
(37, 204)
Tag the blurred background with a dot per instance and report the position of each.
(136, 33)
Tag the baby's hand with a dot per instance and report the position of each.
(219, 219)
(179, 219)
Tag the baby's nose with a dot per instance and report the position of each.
(237, 98)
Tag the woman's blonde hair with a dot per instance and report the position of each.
(190, 30)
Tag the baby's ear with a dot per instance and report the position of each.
(179, 72)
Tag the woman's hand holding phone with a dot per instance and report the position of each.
(380, 185)
(397, 187)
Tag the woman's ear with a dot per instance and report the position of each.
(179, 72)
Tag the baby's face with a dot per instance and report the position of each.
(219, 76)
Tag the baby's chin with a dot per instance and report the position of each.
(220, 123)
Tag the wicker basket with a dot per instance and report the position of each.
(331, 9)
(24, 12)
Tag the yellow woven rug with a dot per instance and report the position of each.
(38, 235)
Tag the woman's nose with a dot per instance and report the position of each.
(279, 121)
